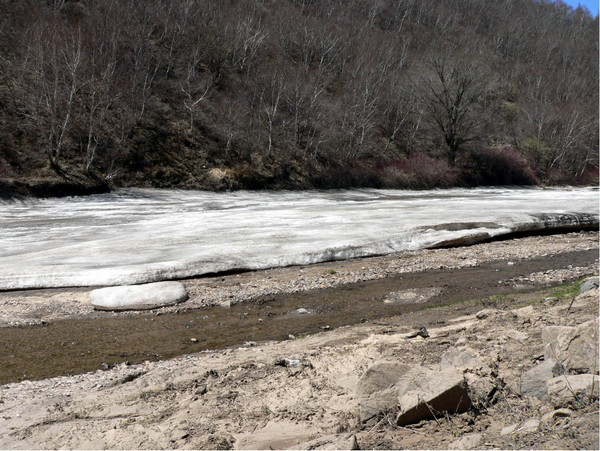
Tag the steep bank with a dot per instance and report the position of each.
(49, 187)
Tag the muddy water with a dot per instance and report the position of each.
(81, 345)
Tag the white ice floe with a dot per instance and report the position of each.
(137, 236)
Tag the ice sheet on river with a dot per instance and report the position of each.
(136, 236)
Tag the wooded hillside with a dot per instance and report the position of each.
(226, 94)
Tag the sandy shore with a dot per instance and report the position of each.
(241, 397)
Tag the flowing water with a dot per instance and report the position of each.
(144, 235)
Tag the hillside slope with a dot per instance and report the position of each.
(298, 93)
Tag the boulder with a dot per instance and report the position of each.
(589, 284)
(576, 348)
(480, 387)
(462, 361)
(376, 392)
(138, 297)
(566, 390)
(534, 381)
(425, 394)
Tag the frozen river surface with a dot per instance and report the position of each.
(136, 236)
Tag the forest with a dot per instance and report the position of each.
(297, 94)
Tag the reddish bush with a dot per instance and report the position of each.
(420, 171)
(558, 177)
(496, 166)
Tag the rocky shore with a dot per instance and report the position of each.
(322, 391)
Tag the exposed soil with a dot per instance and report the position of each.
(243, 397)
(50, 187)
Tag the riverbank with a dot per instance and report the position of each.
(11, 189)
(244, 397)
(31, 307)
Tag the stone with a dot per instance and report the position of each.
(468, 441)
(486, 313)
(425, 394)
(576, 348)
(516, 335)
(462, 361)
(139, 297)
(422, 332)
(509, 429)
(534, 381)
(481, 389)
(589, 284)
(291, 363)
(531, 425)
(567, 390)
(376, 392)
(551, 417)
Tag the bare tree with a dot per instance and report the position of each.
(249, 36)
(451, 93)
(51, 80)
(196, 87)
(271, 100)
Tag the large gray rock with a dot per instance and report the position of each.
(376, 391)
(462, 361)
(576, 348)
(534, 382)
(475, 372)
(566, 390)
(425, 394)
(589, 284)
(138, 297)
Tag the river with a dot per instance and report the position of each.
(143, 235)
